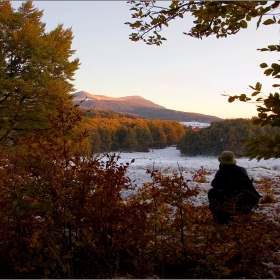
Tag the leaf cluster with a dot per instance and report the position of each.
(267, 145)
(221, 18)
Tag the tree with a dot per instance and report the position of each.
(95, 141)
(230, 134)
(158, 134)
(220, 18)
(143, 135)
(35, 70)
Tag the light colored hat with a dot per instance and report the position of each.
(227, 157)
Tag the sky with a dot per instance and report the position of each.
(183, 74)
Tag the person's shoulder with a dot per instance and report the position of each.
(222, 172)
(242, 169)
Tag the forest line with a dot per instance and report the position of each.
(111, 131)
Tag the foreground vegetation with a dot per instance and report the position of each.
(64, 214)
(63, 210)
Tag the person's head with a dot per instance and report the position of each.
(227, 157)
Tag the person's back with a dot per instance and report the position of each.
(232, 190)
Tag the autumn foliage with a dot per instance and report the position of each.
(66, 213)
(111, 131)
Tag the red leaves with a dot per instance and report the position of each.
(199, 176)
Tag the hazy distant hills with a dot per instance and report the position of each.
(138, 106)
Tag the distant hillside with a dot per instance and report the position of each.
(138, 106)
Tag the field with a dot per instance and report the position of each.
(266, 173)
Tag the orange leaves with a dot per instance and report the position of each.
(199, 175)
(84, 224)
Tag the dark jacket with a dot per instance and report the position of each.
(230, 194)
(222, 176)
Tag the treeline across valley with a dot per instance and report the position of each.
(112, 131)
(230, 135)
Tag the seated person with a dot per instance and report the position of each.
(233, 192)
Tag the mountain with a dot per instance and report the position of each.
(138, 106)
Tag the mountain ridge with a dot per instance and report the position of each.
(138, 106)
